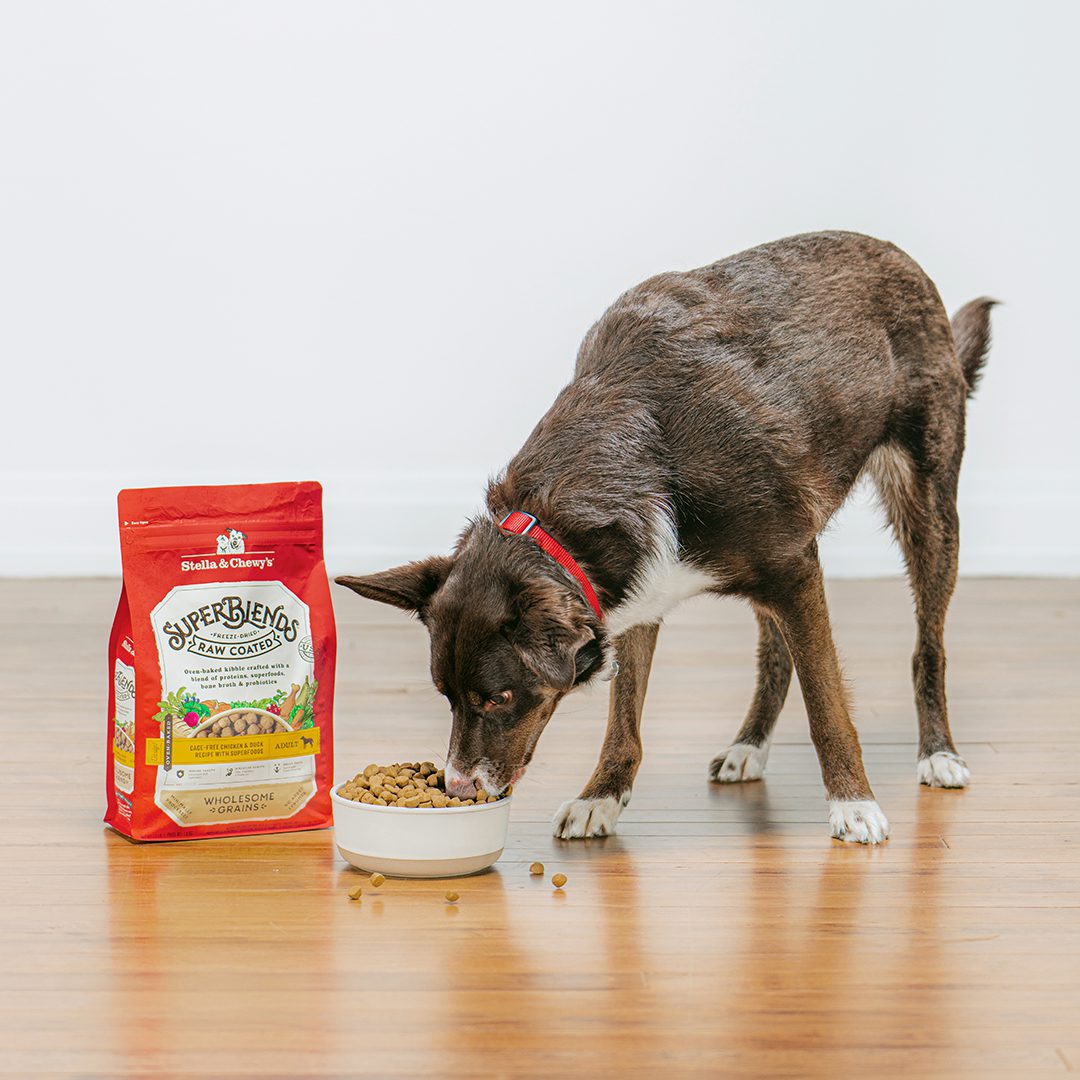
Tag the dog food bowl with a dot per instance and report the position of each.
(401, 841)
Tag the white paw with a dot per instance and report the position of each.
(580, 818)
(739, 762)
(858, 821)
(943, 769)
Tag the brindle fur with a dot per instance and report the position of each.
(739, 403)
(773, 680)
(620, 755)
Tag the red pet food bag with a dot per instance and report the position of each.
(221, 664)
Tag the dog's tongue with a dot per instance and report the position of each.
(518, 774)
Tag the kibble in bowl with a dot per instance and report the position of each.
(399, 820)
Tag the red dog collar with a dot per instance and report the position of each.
(522, 524)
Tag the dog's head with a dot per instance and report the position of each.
(511, 635)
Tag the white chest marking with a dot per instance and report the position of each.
(661, 584)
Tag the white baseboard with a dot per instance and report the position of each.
(66, 526)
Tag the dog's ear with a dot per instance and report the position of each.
(589, 660)
(555, 637)
(409, 587)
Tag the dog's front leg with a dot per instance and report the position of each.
(798, 603)
(596, 810)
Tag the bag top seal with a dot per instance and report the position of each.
(298, 503)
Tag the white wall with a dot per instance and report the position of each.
(360, 242)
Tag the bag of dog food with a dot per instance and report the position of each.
(221, 664)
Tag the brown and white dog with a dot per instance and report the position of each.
(716, 421)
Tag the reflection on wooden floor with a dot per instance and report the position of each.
(721, 932)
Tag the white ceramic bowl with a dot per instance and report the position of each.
(409, 842)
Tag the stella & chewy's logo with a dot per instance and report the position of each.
(231, 542)
(231, 554)
(231, 628)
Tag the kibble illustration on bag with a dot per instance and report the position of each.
(222, 661)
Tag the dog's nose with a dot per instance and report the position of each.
(457, 783)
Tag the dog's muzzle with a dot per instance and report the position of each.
(458, 784)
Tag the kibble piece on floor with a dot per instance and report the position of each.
(537, 869)
(356, 893)
(452, 898)
(378, 879)
(559, 880)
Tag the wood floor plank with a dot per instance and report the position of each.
(720, 933)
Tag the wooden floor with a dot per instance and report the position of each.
(720, 933)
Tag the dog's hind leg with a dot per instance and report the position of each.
(595, 811)
(918, 490)
(745, 758)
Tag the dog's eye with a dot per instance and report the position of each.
(502, 698)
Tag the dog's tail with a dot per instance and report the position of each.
(971, 331)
